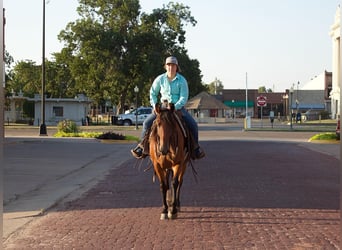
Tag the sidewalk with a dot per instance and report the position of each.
(39, 172)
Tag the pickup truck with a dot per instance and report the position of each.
(130, 118)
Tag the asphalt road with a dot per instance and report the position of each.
(255, 190)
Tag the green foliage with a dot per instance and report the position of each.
(325, 114)
(111, 135)
(97, 135)
(80, 134)
(26, 78)
(114, 47)
(324, 136)
(215, 86)
(109, 50)
(67, 126)
(262, 89)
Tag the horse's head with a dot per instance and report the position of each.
(165, 106)
(165, 127)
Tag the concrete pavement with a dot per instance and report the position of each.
(39, 172)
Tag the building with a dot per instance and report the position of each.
(335, 34)
(315, 94)
(14, 108)
(236, 100)
(58, 109)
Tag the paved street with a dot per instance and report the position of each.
(255, 190)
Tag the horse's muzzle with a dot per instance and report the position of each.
(164, 150)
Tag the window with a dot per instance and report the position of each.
(57, 111)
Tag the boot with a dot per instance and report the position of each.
(138, 152)
(199, 153)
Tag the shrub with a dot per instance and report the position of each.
(324, 115)
(67, 126)
(110, 135)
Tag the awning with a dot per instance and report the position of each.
(238, 104)
(317, 106)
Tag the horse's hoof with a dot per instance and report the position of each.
(163, 216)
(172, 216)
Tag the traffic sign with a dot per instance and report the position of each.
(261, 101)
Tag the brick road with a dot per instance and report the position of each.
(249, 195)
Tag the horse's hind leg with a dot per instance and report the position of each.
(177, 195)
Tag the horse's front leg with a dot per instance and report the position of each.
(163, 189)
(174, 207)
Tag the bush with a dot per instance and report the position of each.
(67, 126)
(112, 136)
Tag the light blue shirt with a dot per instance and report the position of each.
(175, 91)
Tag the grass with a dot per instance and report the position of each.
(328, 136)
(98, 135)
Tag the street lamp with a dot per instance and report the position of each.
(136, 90)
(297, 100)
(291, 93)
(285, 97)
(42, 125)
(233, 102)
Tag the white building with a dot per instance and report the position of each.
(316, 83)
(316, 93)
(14, 112)
(58, 109)
(335, 34)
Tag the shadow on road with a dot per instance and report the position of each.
(234, 174)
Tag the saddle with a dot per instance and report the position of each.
(189, 141)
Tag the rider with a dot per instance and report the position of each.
(172, 87)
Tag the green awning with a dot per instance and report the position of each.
(238, 104)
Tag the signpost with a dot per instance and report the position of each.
(261, 102)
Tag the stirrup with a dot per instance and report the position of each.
(138, 152)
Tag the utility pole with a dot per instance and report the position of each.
(2, 101)
(42, 125)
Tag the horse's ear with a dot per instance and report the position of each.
(172, 106)
(157, 107)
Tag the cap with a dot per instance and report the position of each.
(171, 59)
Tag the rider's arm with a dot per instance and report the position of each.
(183, 93)
(154, 91)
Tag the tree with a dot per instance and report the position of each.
(26, 78)
(262, 89)
(109, 50)
(113, 47)
(215, 87)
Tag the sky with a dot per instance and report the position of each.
(244, 43)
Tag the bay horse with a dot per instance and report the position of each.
(169, 156)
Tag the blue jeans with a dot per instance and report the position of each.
(190, 122)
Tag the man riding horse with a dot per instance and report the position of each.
(173, 88)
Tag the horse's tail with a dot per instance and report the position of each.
(189, 144)
(194, 172)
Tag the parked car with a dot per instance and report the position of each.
(130, 118)
(338, 129)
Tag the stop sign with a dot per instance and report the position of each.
(261, 101)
